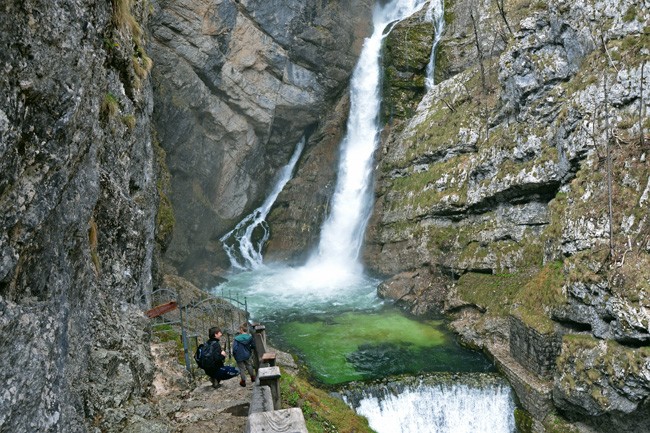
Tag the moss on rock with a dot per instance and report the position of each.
(494, 293)
(602, 375)
(541, 293)
(406, 53)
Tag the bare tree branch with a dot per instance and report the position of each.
(641, 108)
(503, 14)
(608, 140)
(478, 48)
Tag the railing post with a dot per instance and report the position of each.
(260, 344)
(186, 353)
(270, 376)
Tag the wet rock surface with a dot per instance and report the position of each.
(237, 84)
(78, 199)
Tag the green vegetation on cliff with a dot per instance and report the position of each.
(165, 219)
(590, 368)
(405, 57)
(494, 293)
(542, 292)
(323, 413)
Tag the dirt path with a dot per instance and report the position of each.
(190, 405)
(193, 406)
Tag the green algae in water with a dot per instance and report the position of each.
(356, 346)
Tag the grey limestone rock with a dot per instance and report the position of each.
(236, 85)
(78, 199)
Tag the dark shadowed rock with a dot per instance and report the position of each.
(236, 85)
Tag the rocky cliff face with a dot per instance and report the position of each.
(237, 83)
(83, 182)
(514, 196)
(78, 199)
(519, 189)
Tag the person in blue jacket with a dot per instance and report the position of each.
(242, 350)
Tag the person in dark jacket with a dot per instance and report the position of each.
(242, 350)
(218, 355)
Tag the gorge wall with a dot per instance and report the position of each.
(516, 199)
(79, 200)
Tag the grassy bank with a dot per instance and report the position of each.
(323, 412)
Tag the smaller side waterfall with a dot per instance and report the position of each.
(436, 14)
(243, 251)
(475, 403)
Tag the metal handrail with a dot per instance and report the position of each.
(197, 316)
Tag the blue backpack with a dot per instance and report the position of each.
(243, 349)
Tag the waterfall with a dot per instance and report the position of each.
(436, 14)
(333, 283)
(335, 261)
(342, 232)
(448, 407)
(243, 251)
(332, 275)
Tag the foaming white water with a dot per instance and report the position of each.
(238, 243)
(334, 269)
(443, 408)
(274, 289)
(436, 14)
(342, 232)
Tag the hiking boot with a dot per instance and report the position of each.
(242, 382)
(253, 379)
(215, 383)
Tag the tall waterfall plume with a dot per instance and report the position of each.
(342, 232)
(333, 270)
(243, 251)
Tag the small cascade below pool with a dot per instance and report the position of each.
(467, 403)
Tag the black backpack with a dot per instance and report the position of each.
(206, 355)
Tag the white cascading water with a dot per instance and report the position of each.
(343, 231)
(334, 268)
(436, 15)
(243, 252)
(442, 408)
(336, 259)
